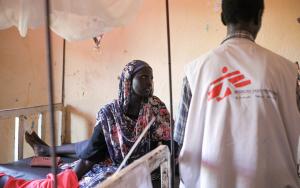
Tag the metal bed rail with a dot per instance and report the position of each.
(19, 115)
(159, 157)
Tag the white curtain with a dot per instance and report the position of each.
(71, 19)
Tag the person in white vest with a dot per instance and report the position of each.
(242, 121)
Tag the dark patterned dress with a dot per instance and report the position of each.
(120, 132)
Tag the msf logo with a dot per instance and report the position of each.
(235, 79)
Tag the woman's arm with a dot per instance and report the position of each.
(82, 167)
(94, 151)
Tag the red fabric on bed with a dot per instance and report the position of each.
(65, 179)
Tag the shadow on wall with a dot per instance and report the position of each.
(78, 122)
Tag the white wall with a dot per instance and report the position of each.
(23, 78)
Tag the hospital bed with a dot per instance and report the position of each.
(20, 168)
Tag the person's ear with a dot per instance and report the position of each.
(222, 18)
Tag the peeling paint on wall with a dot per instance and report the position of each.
(217, 5)
(207, 27)
(28, 94)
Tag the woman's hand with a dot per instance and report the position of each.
(82, 167)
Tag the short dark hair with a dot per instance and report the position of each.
(234, 11)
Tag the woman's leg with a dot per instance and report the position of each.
(38, 138)
(66, 149)
(42, 149)
(38, 147)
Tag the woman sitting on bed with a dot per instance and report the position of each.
(118, 125)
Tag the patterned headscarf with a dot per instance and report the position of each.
(120, 131)
(126, 80)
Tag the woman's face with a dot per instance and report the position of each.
(142, 82)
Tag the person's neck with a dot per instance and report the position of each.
(234, 28)
(134, 106)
